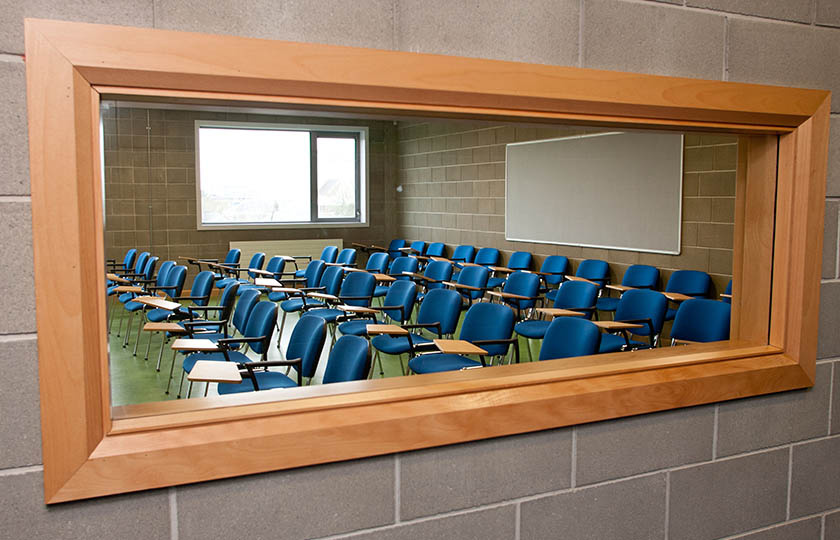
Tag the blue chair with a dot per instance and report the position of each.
(463, 253)
(728, 291)
(484, 257)
(146, 277)
(439, 313)
(574, 295)
(125, 265)
(488, 326)
(471, 283)
(275, 267)
(638, 276)
(150, 284)
(398, 266)
(418, 247)
(231, 260)
(124, 298)
(567, 337)
(257, 261)
(520, 292)
(139, 267)
(328, 255)
(435, 275)
(330, 283)
(641, 306)
(701, 320)
(304, 351)
(435, 249)
(394, 248)
(688, 282)
(257, 336)
(346, 257)
(310, 280)
(519, 260)
(377, 263)
(348, 361)
(553, 271)
(594, 270)
(356, 290)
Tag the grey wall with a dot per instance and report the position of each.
(765, 467)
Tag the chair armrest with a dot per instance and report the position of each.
(189, 297)
(225, 342)
(461, 286)
(307, 257)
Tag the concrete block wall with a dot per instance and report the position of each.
(759, 468)
(453, 179)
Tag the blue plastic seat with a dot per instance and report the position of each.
(311, 278)
(689, 282)
(276, 265)
(520, 284)
(356, 290)
(435, 273)
(257, 261)
(728, 290)
(567, 337)
(394, 248)
(463, 253)
(519, 260)
(553, 271)
(638, 276)
(349, 360)
(701, 320)
(594, 270)
(435, 249)
(488, 326)
(328, 255)
(396, 307)
(347, 257)
(472, 283)
(641, 306)
(231, 260)
(398, 266)
(577, 295)
(330, 283)
(438, 314)
(377, 263)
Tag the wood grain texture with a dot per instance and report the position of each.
(168, 443)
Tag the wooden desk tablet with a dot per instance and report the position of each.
(620, 288)
(677, 297)
(509, 295)
(724, 295)
(116, 279)
(287, 290)
(351, 269)
(196, 345)
(219, 372)
(575, 278)
(502, 269)
(616, 325)
(260, 272)
(323, 296)
(267, 282)
(384, 277)
(128, 288)
(457, 346)
(462, 286)
(357, 309)
(157, 302)
(444, 259)
(560, 312)
(388, 329)
(175, 328)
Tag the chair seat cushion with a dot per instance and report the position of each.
(328, 314)
(396, 345)
(158, 315)
(494, 282)
(296, 304)
(607, 303)
(670, 314)
(244, 288)
(614, 343)
(278, 296)
(266, 380)
(551, 295)
(380, 290)
(355, 328)
(125, 297)
(435, 363)
(224, 282)
(300, 273)
(133, 306)
(191, 359)
(532, 329)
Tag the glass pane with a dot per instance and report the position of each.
(336, 177)
(253, 175)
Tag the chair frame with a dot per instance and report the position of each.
(91, 449)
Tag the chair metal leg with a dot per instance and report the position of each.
(280, 330)
(206, 388)
(137, 337)
(119, 328)
(163, 341)
(149, 345)
(128, 329)
(180, 383)
(171, 369)
(402, 364)
(189, 390)
(528, 348)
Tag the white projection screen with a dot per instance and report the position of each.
(617, 190)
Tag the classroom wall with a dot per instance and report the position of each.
(764, 464)
(150, 193)
(453, 178)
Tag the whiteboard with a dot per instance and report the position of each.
(618, 190)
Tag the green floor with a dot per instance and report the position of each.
(135, 379)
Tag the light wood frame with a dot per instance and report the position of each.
(88, 453)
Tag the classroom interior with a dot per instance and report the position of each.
(430, 180)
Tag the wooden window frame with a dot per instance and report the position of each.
(90, 451)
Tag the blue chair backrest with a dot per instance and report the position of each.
(175, 279)
(163, 271)
(202, 287)
(233, 256)
(474, 276)
(276, 265)
(400, 293)
(247, 301)
(377, 262)
(576, 294)
(641, 276)
(227, 299)
(359, 284)
(128, 260)
(690, 282)
(419, 246)
(594, 270)
(520, 260)
(140, 262)
(523, 284)
(261, 323)
(306, 343)
(347, 256)
(403, 264)
(313, 273)
(394, 247)
(435, 249)
(555, 264)
(439, 270)
(701, 319)
(149, 270)
(331, 279)
(488, 321)
(463, 254)
(570, 336)
(643, 304)
(729, 292)
(487, 257)
(257, 261)
(441, 306)
(348, 361)
(329, 254)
